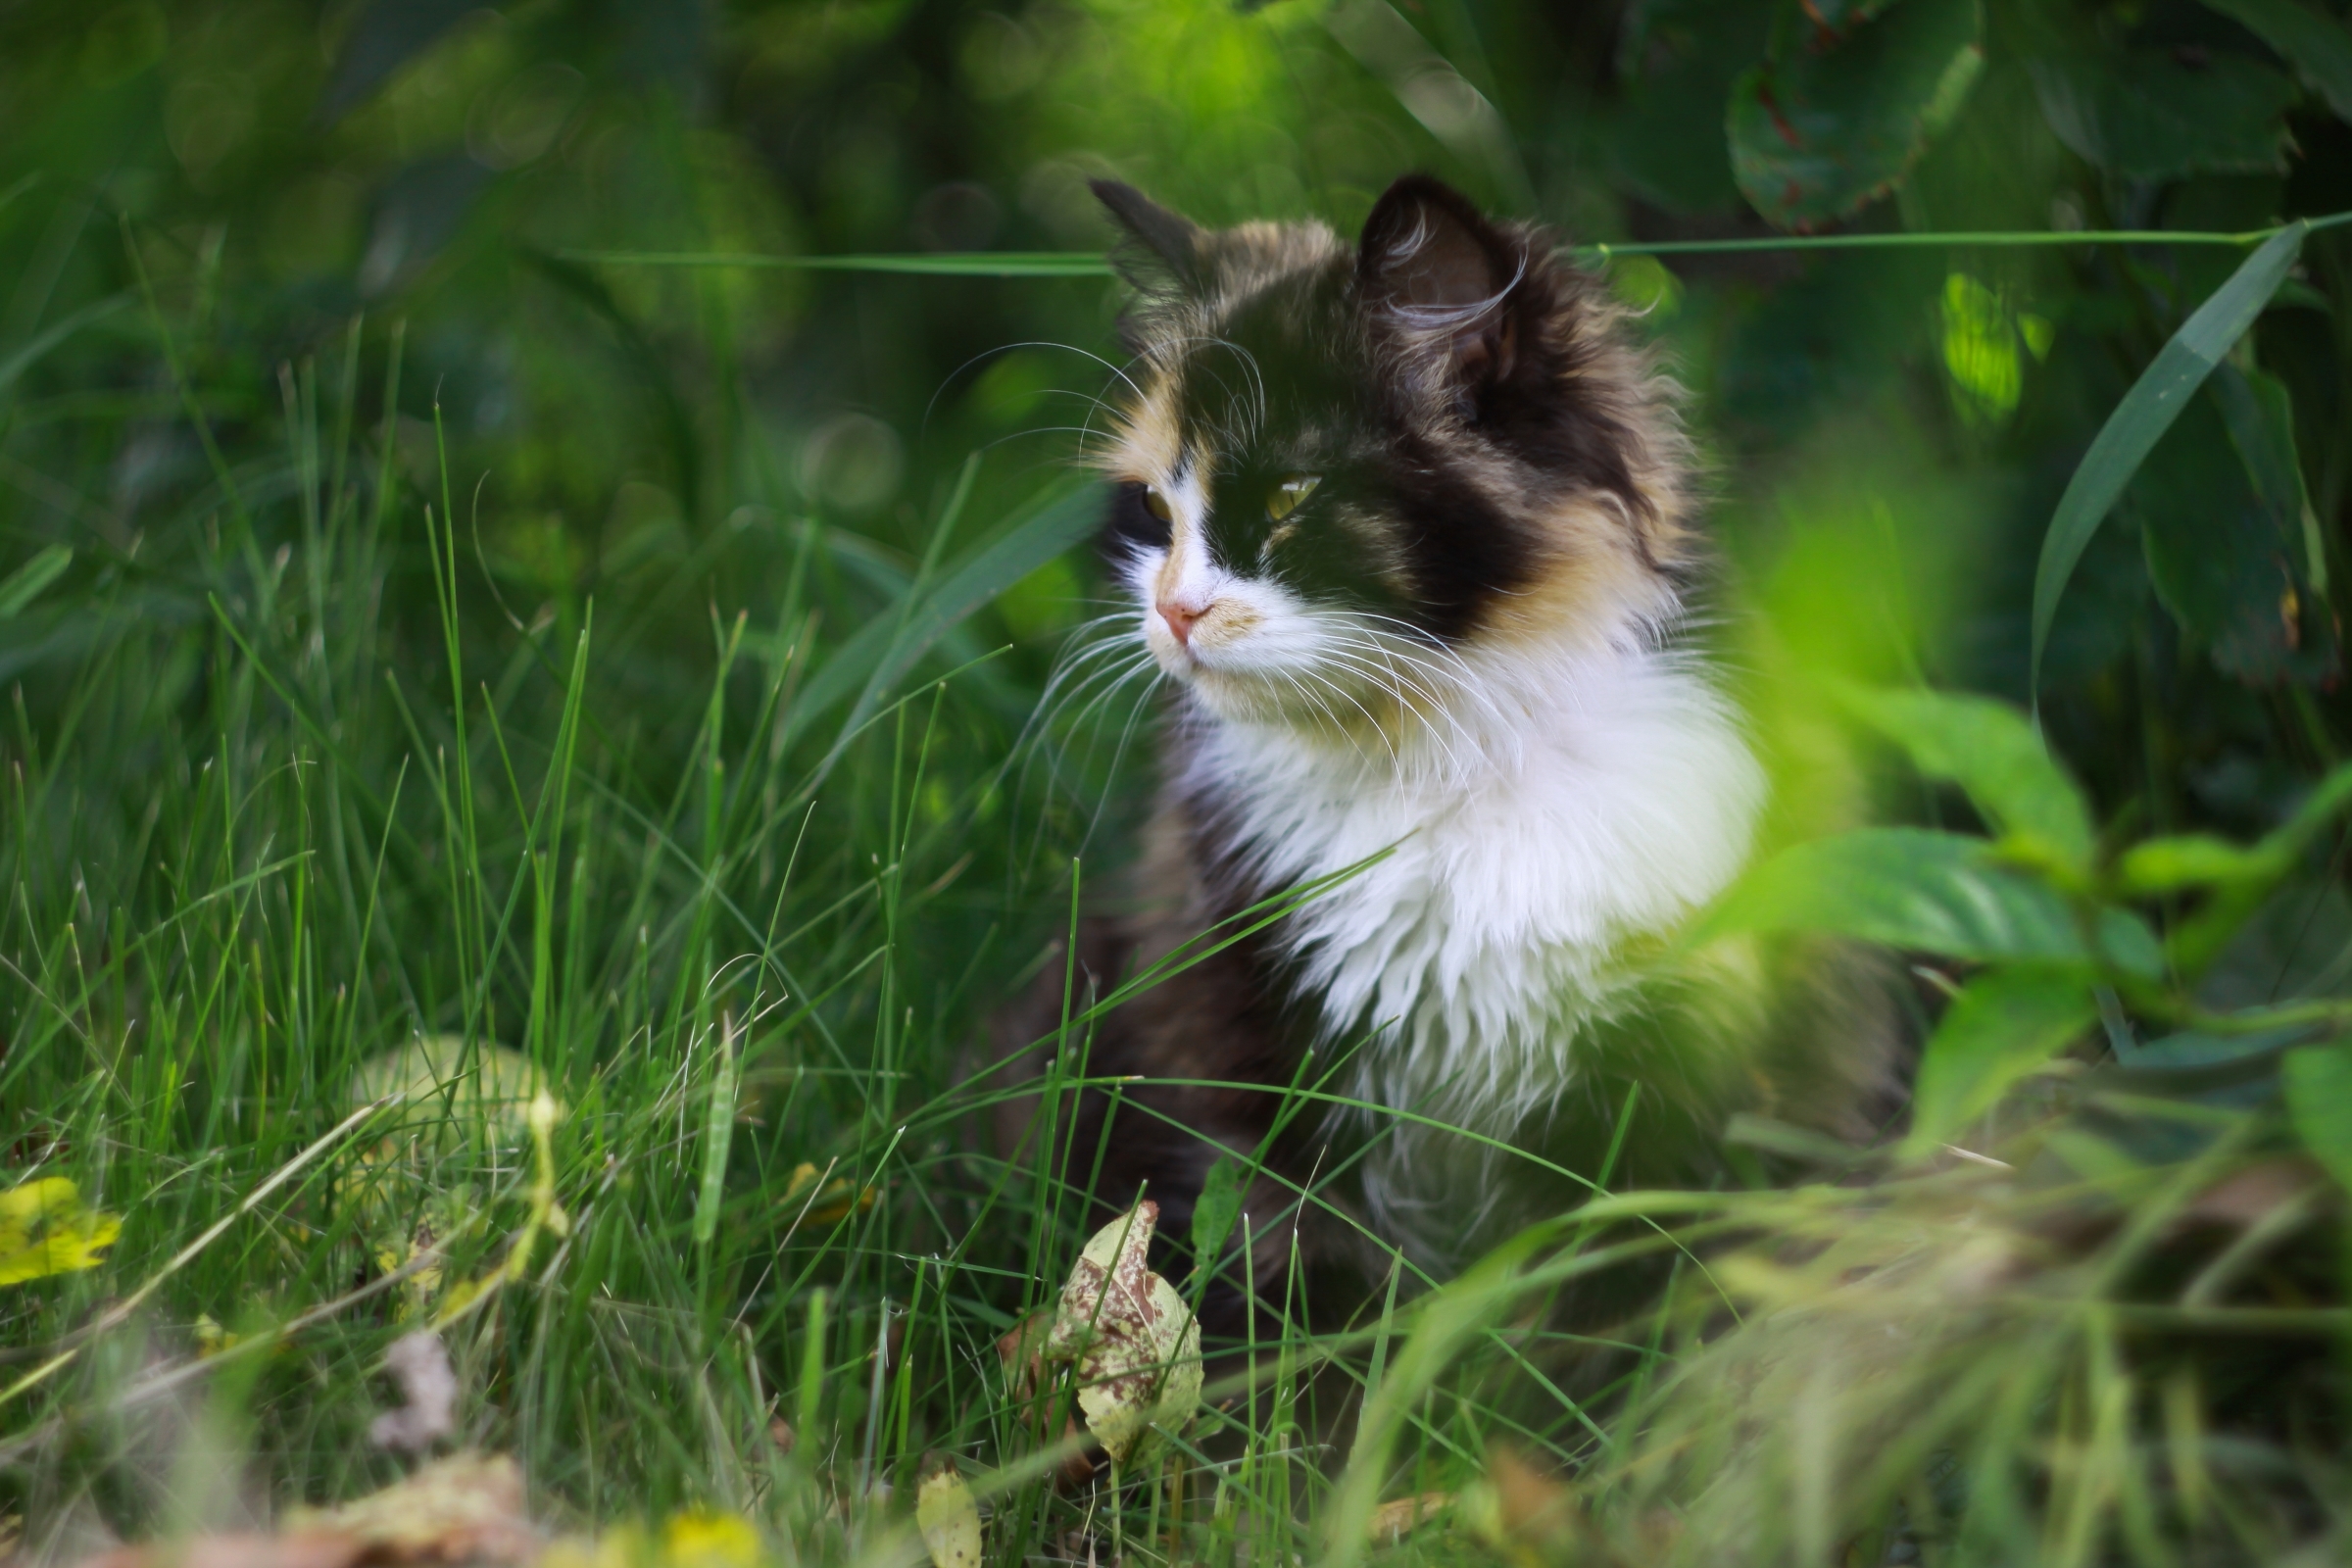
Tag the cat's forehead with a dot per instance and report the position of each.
(1253, 368)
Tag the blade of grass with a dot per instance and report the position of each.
(2146, 412)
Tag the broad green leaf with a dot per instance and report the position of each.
(1907, 888)
(2192, 1048)
(1989, 749)
(24, 585)
(1215, 1210)
(2190, 860)
(1678, 60)
(2237, 904)
(2319, 1101)
(1834, 121)
(2147, 114)
(2228, 560)
(2259, 413)
(2146, 412)
(2296, 943)
(2002, 1025)
(2318, 45)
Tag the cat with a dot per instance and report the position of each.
(1408, 529)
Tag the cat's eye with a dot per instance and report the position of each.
(1157, 505)
(1284, 497)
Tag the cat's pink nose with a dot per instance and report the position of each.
(1180, 620)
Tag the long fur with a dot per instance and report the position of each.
(1463, 677)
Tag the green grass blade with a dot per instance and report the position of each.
(2146, 412)
(885, 649)
(24, 585)
(50, 337)
(947, 264)
(1087, 264)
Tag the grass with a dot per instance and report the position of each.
(315, 794)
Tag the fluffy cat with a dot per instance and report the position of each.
(1407, 529)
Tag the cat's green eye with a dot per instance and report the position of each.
(1157, 505)
(1287, 495)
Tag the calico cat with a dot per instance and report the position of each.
(1407, 527)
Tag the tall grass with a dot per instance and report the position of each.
(319, 814)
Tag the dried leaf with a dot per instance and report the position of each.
(466, 1508)
(1135, 1344)
(836, 1202)
(1392, 1521)
(950, 1520)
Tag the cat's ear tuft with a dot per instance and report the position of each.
(1442, 277)
(1164, 251)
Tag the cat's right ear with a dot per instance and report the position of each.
(1443, 278)
(1164, 251)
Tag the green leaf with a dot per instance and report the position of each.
(2002, 1026)
(21, 587)
(2149, 115)
(945, 264)
(2190, 860)
(1215, 1211)
(1834, 121)
(2319, 1101)
(2228, 560)
(2146, 412)
(1904, 887)
(2200, 939)
(2316, 44)
(2259, 413)
(1678, 60)
(1989, 749)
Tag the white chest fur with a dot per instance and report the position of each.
(1581, 799)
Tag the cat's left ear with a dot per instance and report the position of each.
(1442, 276)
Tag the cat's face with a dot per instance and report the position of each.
(1343, 473)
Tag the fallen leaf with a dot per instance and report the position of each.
(466, 1508)
(948, 1519)
(705, 1538)
(1391, 1521)
(496, 1083)
(834, 1202)
(1135, 1344)
(44, 1230)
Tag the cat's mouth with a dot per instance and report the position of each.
(1331, 674)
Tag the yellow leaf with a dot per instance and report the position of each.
(836, 1202)
(707, 1540)
(950, 1520)
(44, 1230)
